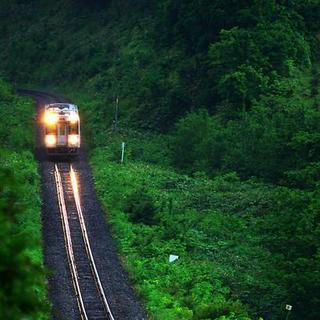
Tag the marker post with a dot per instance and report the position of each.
(122, 151)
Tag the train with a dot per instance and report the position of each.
(62, 129)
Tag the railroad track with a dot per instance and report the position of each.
(92, 301)
(48, 97)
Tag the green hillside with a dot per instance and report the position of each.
(22, 277)
(219, 108)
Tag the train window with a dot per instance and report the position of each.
(73, 128)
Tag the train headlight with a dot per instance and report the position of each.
(73, 139)
(50, 140)
(50, 118)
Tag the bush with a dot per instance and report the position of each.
(196, 145)
(141, 208)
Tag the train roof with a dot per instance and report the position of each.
(58, 107)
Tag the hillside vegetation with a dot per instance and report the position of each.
(22, 277)
(219, 109)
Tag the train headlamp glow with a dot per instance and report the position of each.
(73, 118)
(50, 140)
(50, 118)
(73, 139)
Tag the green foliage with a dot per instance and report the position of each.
(161, 58)
(141, 208)
(234, 239)
(255, 58)
(306, 177)
(16, 131)
(196, 144)
(276, 140)
(22, 276)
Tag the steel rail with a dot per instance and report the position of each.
(87, 242)
(69, 245)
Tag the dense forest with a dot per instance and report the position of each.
(219, 106)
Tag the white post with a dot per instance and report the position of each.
(122, 151)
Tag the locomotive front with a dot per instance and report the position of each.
(62, 128)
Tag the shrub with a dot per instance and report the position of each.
(141, 208)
